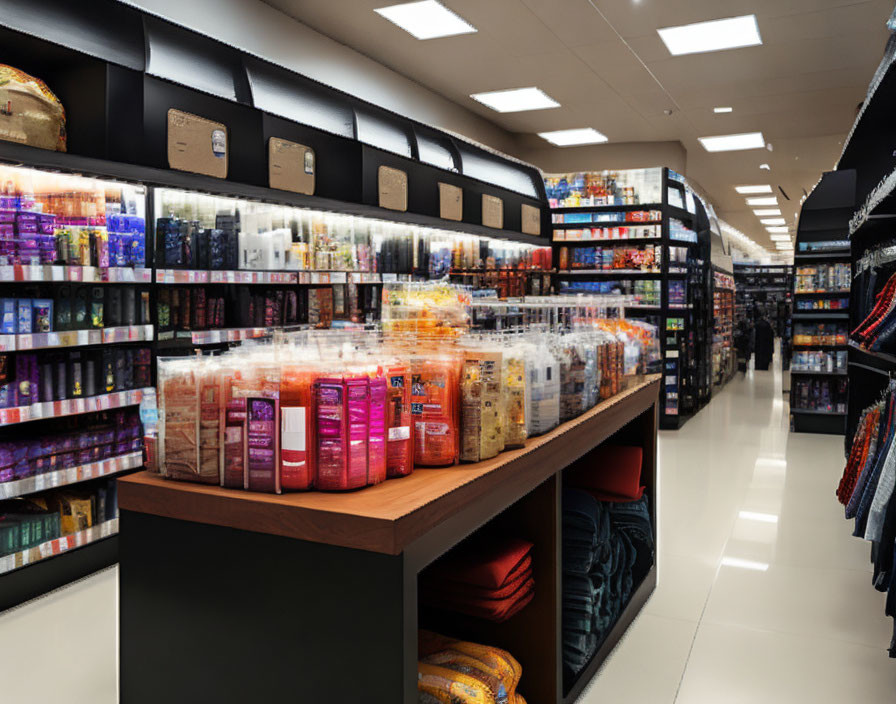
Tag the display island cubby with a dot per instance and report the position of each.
(128, 81)
(651, 240)
(273, 596)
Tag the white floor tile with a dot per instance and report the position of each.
(647, 665)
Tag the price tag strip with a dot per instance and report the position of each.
(69, 407)
(57, 546)
(72, 475)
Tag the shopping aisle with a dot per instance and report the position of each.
(763, 594)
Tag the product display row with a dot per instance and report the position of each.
(816, 361)
(338, 413)
(628, 216)
(605, 188)
(819, 334)
(823, 395)
(75, 308)
(602, 234)
(646, 258)
(823, 278)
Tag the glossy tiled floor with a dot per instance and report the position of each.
(763, 595)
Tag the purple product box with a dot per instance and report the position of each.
(263, 442)
(46, 223)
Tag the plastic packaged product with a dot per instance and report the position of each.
(482, 433)
(434, 408)
(544, 392)
(262, 443)
(342, 409)
(297, 467)
(33, 115)
(399, 440)
(376, 448)
(516, 398)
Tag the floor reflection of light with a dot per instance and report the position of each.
(756, 516)
(744, 564)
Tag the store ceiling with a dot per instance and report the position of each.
(605, 63)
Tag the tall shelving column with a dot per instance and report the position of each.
(818, 390)
(675, 293)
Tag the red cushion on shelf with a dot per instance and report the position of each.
(483, 563)
(613, 470)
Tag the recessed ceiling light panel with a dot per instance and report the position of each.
(426, 20)
(748, 190)
(733, 142)
(715, 35)
(719, 111)
(766, 212)
(772, 200)
(778, 230)
(773, 221)
(516, 100)
(780, 238)
(568, 138)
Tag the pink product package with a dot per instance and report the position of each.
(331, 435)
(262, 442)
(376, 443)
(357, 403)
(235, 415)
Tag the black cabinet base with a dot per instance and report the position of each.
(47, 575)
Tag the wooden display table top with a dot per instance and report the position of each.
(388, 517)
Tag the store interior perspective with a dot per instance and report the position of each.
(447, 351)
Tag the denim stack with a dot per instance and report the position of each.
(607, 550)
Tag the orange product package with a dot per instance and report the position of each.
(399, 424)
(297, 443)
(435, 410)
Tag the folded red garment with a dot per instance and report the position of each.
(497, 610)
(456, 591)
(486, 563)
(610, 469)
(607, 496)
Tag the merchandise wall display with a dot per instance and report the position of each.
(724, 362)
(643, 233)
(821, 313)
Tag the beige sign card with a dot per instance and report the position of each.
(393, 187)
(492, 212)
(196, 144)
(290, 166)
(531, 220)
(451, 202)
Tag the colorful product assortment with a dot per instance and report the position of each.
(84, 440)
(46, 219)
(642, 258)
(823, 278)
(818, 361)
(679, 232)
(809, 304)
(28, 522)
(30, 378)
(75, 307)
(678, 293)
(821, 334)
(630, 216)
(200, 232)
(646, 291)
(604, 188)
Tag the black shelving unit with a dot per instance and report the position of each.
(685, 328)
(822, 242)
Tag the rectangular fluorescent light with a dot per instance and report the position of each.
(426, 20)
(778, 230)
(750, 190)
(721, 110)
(516, 100)
(773, 200)
(568, 138)
(766, 212)
(744, 564)
(761, 517)
(780, 238)
(733, 142)
(715, 35)
(773, 221)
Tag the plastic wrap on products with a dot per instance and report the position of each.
(296, 427)
(516, 395)
(31, 114)
(435, 409)
(571, 353)
(544, 391)
(400, 427)
(376, 434)
(343, 416)
(482, 406)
